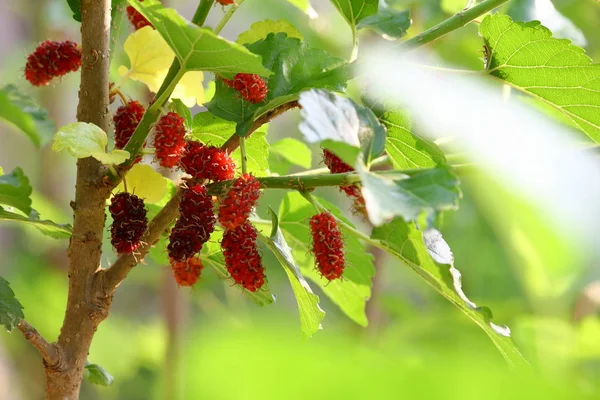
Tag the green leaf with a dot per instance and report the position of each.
(329, 116)
(387, 196)
(405, 242)
(261, 29)
(21, 111)
(178, 107)
(355, 10)
(287, 152)
(215, 131)
(48, 228)
(11, 311)
(97, 375)
(82, 139)
(75, 6)
(405, 149)
(305, 6)
(199, 48)
(311, 313)
(15, 191)
(526, 56)
(388, 23)
(295, 67)
(351, 292)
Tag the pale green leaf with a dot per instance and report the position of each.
(261, 29)
(292, 151)
(97, 375)
(388, 22)
(214, 131)
(305, 6)
(405, 242)
(351, 292)
(11, 311)
(21, 111)
(526, 56)
(311, 313)
(199, 48)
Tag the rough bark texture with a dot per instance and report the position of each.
(84, 312)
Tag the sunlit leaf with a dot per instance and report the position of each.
(82, 139)
(21, 111)
(261, 29)
(11, 311)
(287, 152)
(305, 6)
(526, 56)
(144, 182)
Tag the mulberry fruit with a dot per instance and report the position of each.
(137, 20)
(195, 224)
(169, 139)
(337, 166)
(129, 222)
(242, 259)
(239, 201)
(126, 120)
(251, 87)
(207, 162)
(187, 272)
(327, 245)
(50, 60)
(225, 2)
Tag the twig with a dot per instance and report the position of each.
(48, 351)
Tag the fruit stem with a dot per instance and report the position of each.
(228, 15)
(244, 157)
(202, 12)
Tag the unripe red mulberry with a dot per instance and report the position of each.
(137, 20)
(169, 139)
(187, 272)
(239, 201)
(126, 120)
(207, 162)
(327, 245)
(195, 224)
(251, 87)
(337, 166)
(50, 60)
(129, 222)
(242, 259)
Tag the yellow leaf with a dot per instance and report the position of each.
(146, 183)
(189, 89)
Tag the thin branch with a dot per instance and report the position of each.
(458, 20)
(48, 351)
(228, 15)
(108, 279)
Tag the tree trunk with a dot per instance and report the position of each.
(85, 311)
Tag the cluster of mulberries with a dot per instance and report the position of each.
(129, 222)
(239, 201)
(137, 20)
(337, 166)
(242, 258)
(327, 245)
(169, 141)
(126, 120)
(252, 87)
(195, 224)
(207, 162)
(188, 271)
(50, 60)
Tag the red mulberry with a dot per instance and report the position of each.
(187, 272)
(239, 201)
(225, 2)
(137, 20)
(327, 245)
(126, 120)
(195, 224)
(50, 60)
(251, 87)
(169, 139)
(129, 222)
(242, 259)
(207, 162)
(337, 166)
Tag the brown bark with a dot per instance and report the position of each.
(84, 312)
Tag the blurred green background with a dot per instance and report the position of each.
(163, 342)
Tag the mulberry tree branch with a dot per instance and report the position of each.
(48, 351)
